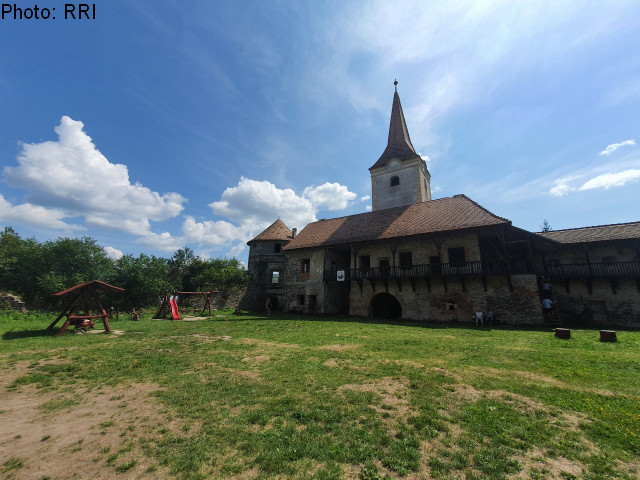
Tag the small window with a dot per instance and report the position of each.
(275, 278)
(277, 247)
(395, 181)
(406, 260)
(300, 300)
(609, 259)
(456, 256)
(305, 265)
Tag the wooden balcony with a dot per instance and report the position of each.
(462, 269)
(595, 270)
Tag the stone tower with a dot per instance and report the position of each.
(400, 176)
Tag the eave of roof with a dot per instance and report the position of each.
(596, 233)
(97, 284)
(436, 216)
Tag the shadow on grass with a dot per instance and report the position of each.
(430, 324)
(18, 334)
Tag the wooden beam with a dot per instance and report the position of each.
(105, 320)
(464, 285)
(509, 282)
(413, 283)
(386, 285)
(566, 285)
(590, 285)
(399, 282)
(614, 285)
(484, 283)
(64, 310)
(428, 281)
(359, 282)
(372, 281)
(446, 287)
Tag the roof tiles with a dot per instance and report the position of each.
(276, 231)
(599, 233)
(445, 214)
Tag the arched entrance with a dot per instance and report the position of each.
(385, 305)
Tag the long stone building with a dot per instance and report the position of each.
(417, 258)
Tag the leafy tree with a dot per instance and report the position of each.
(144, 280)
(545, 227)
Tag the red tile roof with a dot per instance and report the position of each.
(276, 231)
(444, 214)
(598, 233)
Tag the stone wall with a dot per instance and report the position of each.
(457, 302)
(601, 307)
(11, 302)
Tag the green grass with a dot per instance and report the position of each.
(454, 400)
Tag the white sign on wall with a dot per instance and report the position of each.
(340, 275)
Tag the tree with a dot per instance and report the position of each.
(144, 280)
(546, 227)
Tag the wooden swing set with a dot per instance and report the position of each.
(169, 304)
(83, 295)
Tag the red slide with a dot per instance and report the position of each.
(174, 310)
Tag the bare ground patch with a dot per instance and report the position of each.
(82, 434)
(338, 348)
(253, 341)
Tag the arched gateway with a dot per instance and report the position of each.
(385, 305)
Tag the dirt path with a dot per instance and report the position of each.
(78, 433)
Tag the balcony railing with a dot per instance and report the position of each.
(586, 270)
(434, 270)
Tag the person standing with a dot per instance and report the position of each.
(548, 306)
(479, 319)
(546, 288)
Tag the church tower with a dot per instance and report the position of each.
(400, 176)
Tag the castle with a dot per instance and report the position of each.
(413, 257)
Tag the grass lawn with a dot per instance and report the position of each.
(302, 396)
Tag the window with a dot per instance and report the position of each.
(609, 259)
(457, 256)
(395, 181)
(300, 300)
(406, 260)
(305, 265)
(275, 278)
(436, 267)
(385, 269)
(277, 247)
(365, 263)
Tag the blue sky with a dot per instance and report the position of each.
(164, 124)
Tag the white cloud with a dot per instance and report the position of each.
(613, 147)
(235, 251)
(72, 178)
(365, 198)
(34, 215)
(113, 252)
(162, 241)
(368, 208)
(253, 202)
(609, 180)
(563, 186)
(331, 195)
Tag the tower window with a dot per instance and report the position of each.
(277, 247)
(395, 181)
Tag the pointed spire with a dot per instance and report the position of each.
(399, 144)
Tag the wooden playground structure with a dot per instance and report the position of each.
(170, 304)
(83, 295)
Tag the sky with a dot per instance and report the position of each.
(161, 125)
